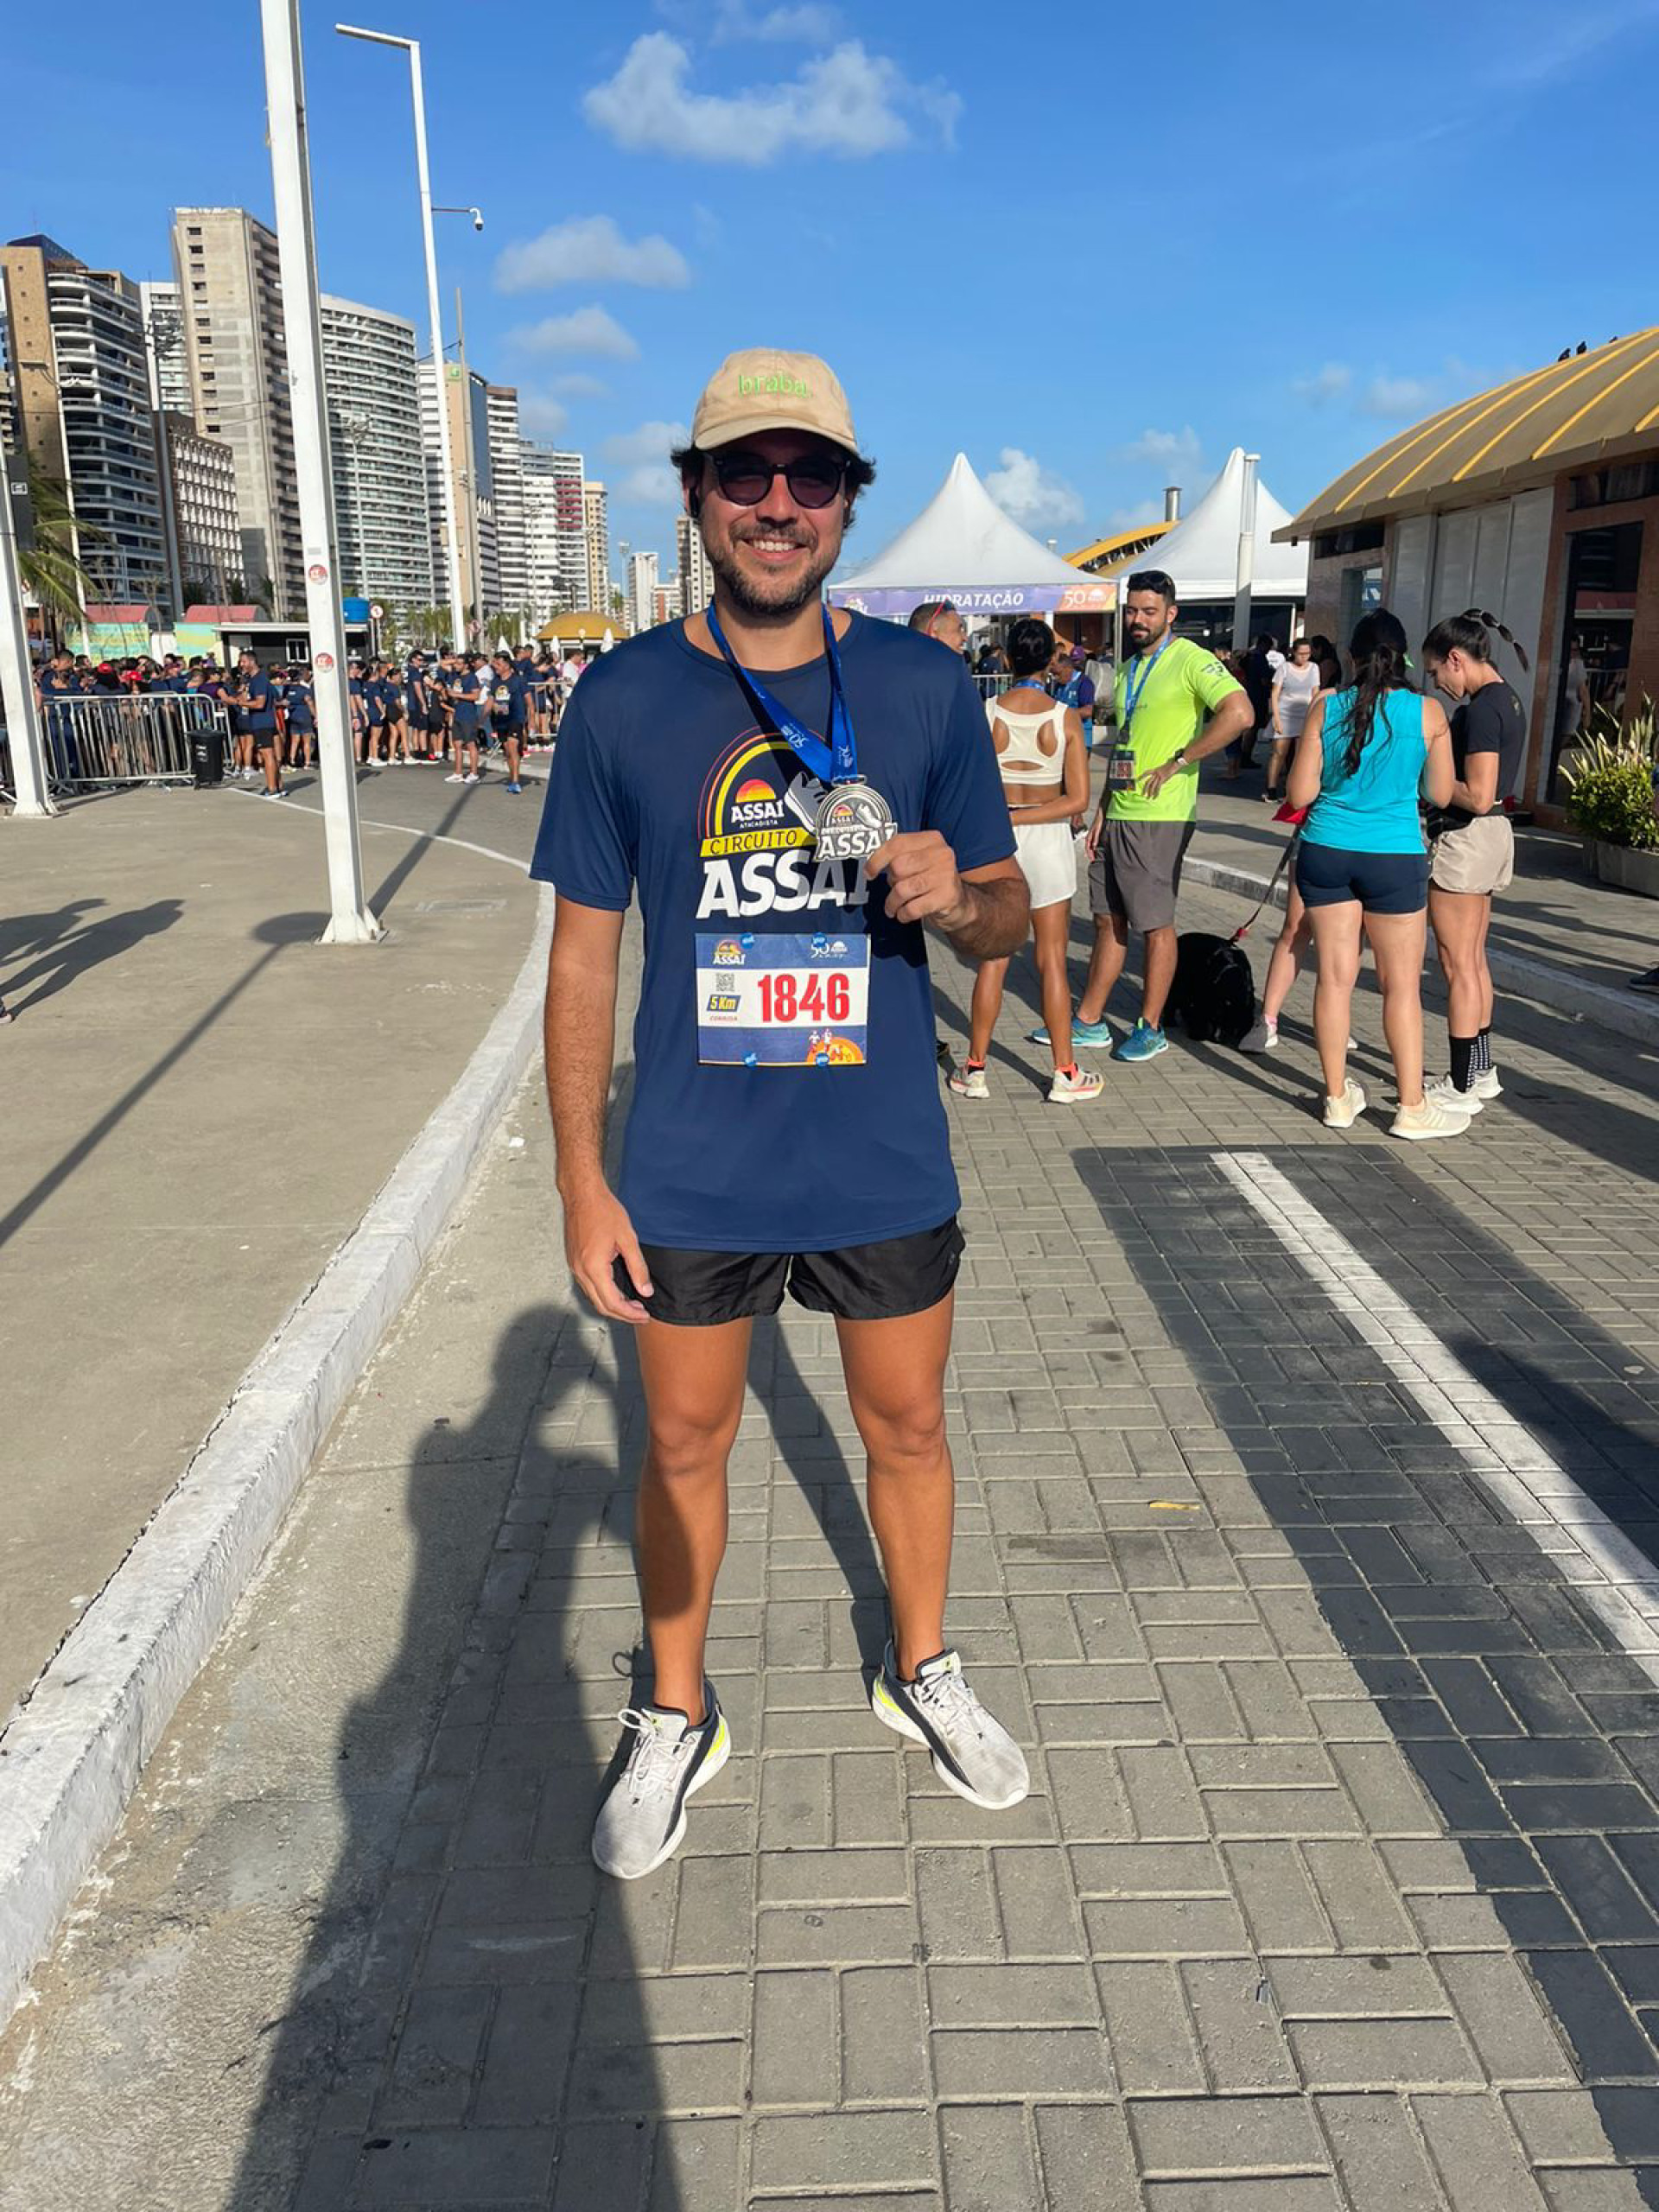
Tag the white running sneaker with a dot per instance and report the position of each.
(1431, 1119)
(1486, 1084)
(642, 1821)
(973, 1754)
(969, 1082)
(455, 778)
(1342, 1113)
(1069, 1090)
(1264, 1037)
(1446, 1093)
(471, 777)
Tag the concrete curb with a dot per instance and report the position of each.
(1625, 1012)
(70, 1760)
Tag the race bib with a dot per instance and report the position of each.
(783, 1002)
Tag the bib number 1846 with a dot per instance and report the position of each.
(786, 997)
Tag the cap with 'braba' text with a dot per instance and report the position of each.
(764, 389)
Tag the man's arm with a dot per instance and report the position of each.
(579, 1025)
(1233, 718)
(985, 913)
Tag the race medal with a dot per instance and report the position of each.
(852, 821)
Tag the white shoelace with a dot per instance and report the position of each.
(954, 1704)
(652, 1766)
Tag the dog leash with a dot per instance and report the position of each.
(1285, 859)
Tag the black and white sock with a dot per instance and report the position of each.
(1462, 1054)
(1484, 1051)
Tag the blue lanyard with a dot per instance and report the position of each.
(1132, 690)
(834, 763)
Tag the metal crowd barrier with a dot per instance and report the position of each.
(113, 738)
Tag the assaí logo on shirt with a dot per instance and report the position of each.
(755, 826)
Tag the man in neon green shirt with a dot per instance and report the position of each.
(1176, 705)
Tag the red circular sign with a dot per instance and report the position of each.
(324, 663)
(318, 573)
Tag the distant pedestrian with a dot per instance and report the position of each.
(937, 619)
(1362, 755)
(1471, 840)
(1328, 660)
(1294, 691)
(300, 703)
(253, 705)
(510, 714)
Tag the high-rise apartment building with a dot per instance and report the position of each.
(373, 389)
(169, 369)
(642, 591)
(556, 530)
(230, 300)
(596, 525)
(507, 480)
(696, 577)
(466, 400)
(204, 532)
(80, 403)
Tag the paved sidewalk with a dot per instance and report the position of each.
(201, 1102)
(1338, 1886)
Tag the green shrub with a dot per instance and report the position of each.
(1611, 794)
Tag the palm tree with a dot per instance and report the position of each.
(53, 571)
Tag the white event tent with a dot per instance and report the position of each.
(962, 547)
(1200, 554)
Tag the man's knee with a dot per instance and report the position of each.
(904, 1436)
(685, 1445)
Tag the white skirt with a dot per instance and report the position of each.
(1048, 861)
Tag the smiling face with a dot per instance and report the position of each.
(772, 558)
(1148, 617)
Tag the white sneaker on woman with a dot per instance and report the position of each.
(1446, 1093)
(1342, 1113)
(1431, 1119)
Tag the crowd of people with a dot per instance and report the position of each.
(448, 707)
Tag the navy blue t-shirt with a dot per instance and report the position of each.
(258, 717)
(509, 702)
(660, 779)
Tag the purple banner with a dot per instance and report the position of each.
(1088, 595)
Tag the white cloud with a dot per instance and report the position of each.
(653, 485)
(1023, 488)
(578, 384)
(585, 330)
(1326, 383)
(808, 23)
(590, 250)
(652, 442)
(540, 414)
(1167, 448)
(1387, 395)
(1140, 516)
(848, 102)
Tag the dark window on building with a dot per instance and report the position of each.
(1354, 538)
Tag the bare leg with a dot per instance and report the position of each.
(1460, 919)
(1161, 956)
(1398, 941)
(1335, 938)
(895, 1379)
(987, 1004)
(1276, 761)
(1051, 928)
(694, 1397)
(1105, 965)
(1284, 963)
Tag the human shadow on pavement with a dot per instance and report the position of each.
(475, 2020)
(21, 935)
(1535, 1735)
(65, 958)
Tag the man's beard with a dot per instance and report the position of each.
(785, 598)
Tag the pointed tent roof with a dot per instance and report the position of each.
(963, 548)
(1201, 552)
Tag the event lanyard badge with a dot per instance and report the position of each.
(853, 818)
(1120, 770)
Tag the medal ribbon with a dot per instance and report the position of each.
(1132, 690)
(834, 763)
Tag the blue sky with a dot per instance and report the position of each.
(1093, 257)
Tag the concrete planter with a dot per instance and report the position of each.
(1625, 867)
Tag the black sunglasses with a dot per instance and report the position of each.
(745, 478)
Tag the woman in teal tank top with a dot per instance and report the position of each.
(1365, 754)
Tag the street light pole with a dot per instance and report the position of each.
(1245, 571)
(351, 921)
(447, 487)
(33, 795)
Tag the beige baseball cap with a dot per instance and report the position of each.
(762, 389)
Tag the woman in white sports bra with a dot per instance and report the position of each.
(1046, 780)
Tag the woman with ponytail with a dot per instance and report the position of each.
(1471, 845)
(1363, 753)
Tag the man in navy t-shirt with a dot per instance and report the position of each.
(510, 713)
(254, 700)
(786, 1129)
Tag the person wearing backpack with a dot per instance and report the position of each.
(1364, 754)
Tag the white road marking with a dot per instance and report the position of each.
(1611, 1574)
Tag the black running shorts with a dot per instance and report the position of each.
(861, 1283)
